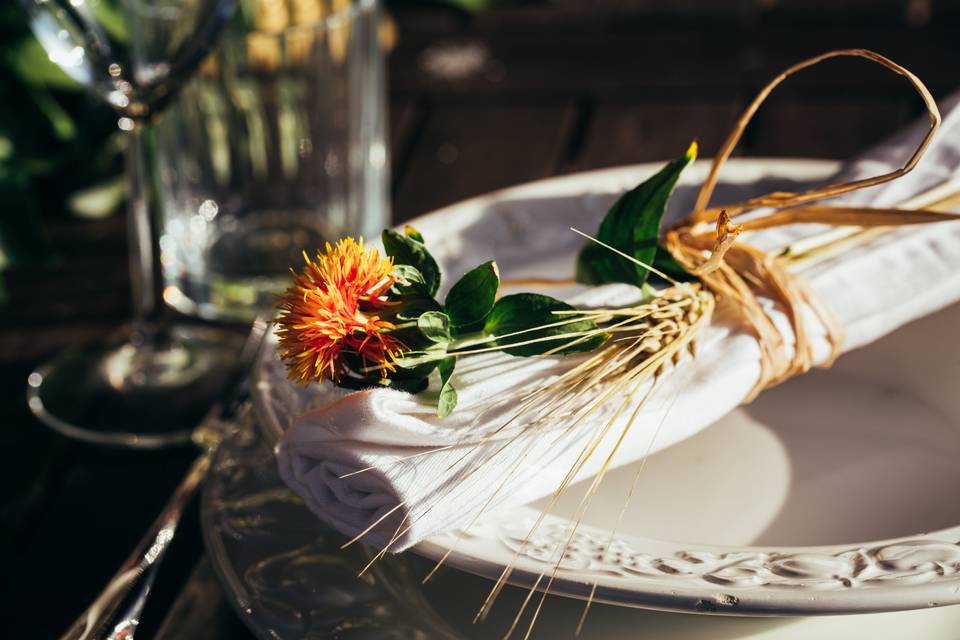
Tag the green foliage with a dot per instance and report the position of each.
(408, 280)
(30, 62)
(55, 140)
(472, 297)
(447, 401)
(435, 325)
(109, 15)
(409, 249)
(413, 234)
(539, 317)
(632, 225)
(435, 334)
(665, 264)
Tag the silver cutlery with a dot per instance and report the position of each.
(115, 613)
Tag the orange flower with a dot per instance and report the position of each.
(329, 317)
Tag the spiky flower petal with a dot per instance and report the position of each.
(331, 320)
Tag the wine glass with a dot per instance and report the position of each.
(149, 386)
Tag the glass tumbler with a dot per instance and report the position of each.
(275, 147)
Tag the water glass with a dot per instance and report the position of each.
(276, 146)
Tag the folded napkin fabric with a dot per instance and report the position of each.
(379, 462)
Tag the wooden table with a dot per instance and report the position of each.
(477, 103)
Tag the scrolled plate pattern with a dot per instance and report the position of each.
(885, 575)
(907, 573)
(911, 561)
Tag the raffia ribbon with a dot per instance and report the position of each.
(706, 243)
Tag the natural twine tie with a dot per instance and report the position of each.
(706, 243)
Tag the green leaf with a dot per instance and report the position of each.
(531, 313)
(100, 200)
(421, 364)
(413, 234)
(632, 225)
(408, 280)
(665, 263)
(32, 63)
(435, 325)
(406, 250)
(63, 125)
(447, 401)
(412, 362)
(110, 16)
(413, 306)
(414, 367)
(6, 148)
(472, 297)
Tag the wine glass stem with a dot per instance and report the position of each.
(143, 222)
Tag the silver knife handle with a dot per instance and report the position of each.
(115, 613)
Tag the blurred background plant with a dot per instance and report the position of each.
(60, 151)
(60, 154)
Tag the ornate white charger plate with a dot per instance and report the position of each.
(833, 493)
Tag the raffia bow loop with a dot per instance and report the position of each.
(739, 274)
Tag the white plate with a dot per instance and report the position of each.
(833, 493)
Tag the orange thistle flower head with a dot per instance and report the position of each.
(331, 320)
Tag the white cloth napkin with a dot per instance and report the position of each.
(414, 474)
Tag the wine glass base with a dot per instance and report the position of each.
(135, 396)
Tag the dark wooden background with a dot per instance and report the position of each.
(477, 102)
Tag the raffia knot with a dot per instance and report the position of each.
(707, 245)
(738, 274)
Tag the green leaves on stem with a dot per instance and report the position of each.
(408, 249)
(536, 324)
(470, 319)
(632, 225)
(408, 280)
(435, 326)
(524, 324)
